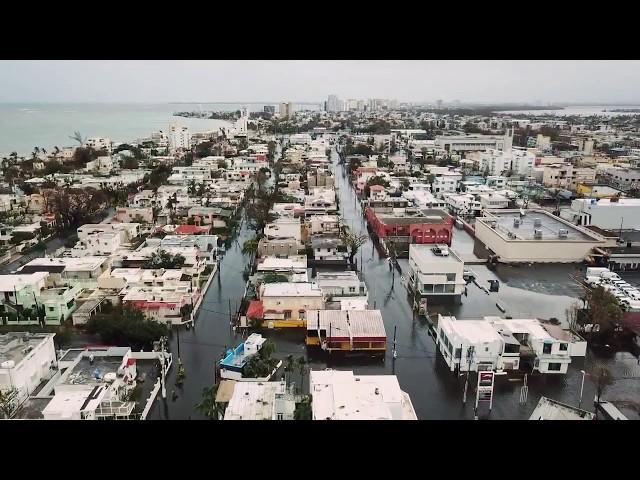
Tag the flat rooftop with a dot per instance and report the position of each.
(286, 289)
(13, 345)
(88, 263)
(424, 254)
(410, 215)
(549, 224)
(86, 372)
(548, 409)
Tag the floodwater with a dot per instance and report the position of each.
(536, 291)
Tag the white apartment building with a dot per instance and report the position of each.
(287, 109)
(467, 344)
(446, 182)
(25, 360)
(334, 104)
(341, 395)
(462, 204)
(99, 143)
(435, 271)
(179, 137)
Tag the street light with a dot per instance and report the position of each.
(581, 387)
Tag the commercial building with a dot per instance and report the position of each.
(411, 225)
(341, 395)
(607, 213)
(435, 272)
(537, 236)
(469, 143)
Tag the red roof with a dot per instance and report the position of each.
(255, 309)
(192, 229)
(131, 361)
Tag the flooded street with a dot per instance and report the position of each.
(527, 291)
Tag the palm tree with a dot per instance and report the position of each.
(57, 150)
(208, 405)
(192, 187)
(250, 247)
(77, 136)
(288, 368)
(8, 400)
(353, 243)
(302, 367)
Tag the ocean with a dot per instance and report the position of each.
(24, 126)
(581, 111)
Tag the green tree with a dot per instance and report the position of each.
(250, 247)
(8, 402)
(163, 259)
(208, 405)
(126, 325)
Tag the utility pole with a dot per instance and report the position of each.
(163, 367)
(230, 315)
(466, 380)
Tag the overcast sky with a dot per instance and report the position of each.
(279, 80)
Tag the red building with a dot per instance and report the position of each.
(420, 226)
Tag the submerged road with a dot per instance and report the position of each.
(435, 392)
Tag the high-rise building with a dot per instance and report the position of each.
(334, 104)
(439, 104)
(179, 137)
(286, 110)
(270, 109)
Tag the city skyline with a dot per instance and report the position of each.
(312, 81)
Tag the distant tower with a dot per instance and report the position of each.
(508, 140)
(243, 121)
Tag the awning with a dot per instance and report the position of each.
(255, 309)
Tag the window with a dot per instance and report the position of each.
(51, 309)
(458, 352)
(427, 287)
(451, 277)
(352, 289)
(546, 348)
(280, 416)
(564, 347)
(554, 367)
(449, 288)
(287, 314)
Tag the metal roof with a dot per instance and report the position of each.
(347, 323)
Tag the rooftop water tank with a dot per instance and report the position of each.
(537, 222)
(537, 233)
(110, 377)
